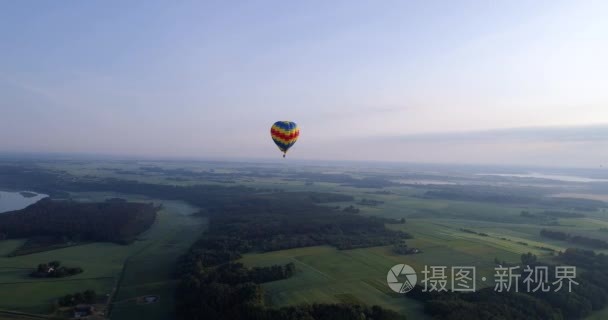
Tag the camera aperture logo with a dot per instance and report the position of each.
(401, 278)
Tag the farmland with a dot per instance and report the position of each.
(327, 274)
(449, 231)
(146, 263)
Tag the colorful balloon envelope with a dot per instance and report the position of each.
(284, 134)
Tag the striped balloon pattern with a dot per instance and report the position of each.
(284, 134)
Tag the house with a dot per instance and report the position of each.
(83, 310)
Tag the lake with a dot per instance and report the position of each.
(18, 200)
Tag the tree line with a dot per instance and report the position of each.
(85, 297)
(112, 221)
(214, 286)
(591, 294)
(54, 269)
(577, 239)
(242, 220)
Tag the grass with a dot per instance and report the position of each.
(328, 275)
(150, 271)
(324, 274)
(332, 276)
(8, 315)
(599, 315)
(100, 261)
(148, 266)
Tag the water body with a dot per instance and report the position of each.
(10, 201)
(546, 176)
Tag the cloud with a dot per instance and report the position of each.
(346, 112)
(595, 133)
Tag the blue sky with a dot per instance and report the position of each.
(429, 81)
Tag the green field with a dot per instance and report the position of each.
(147, 267)
(150, 271)
(329, 275)
(324, 274)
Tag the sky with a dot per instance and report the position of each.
(493, 82)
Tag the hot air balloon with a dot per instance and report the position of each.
(284, 134)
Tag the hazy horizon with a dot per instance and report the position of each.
(509, 83)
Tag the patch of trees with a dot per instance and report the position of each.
(268, 222)
(54, 269)
(591, 242)
(210, 197)
(179, 173)
(474, 232)
(57, 184)
(545, 248)
(122, 171)
(319, 226)
(526, 214)
(201, 297)
(404, 249)
(330, 312)
(562, 214)
(591, 294)
(520, 195)
(586, 259)
(221, 290)
(204, 196)
(235, 273)
(557, 235)
(483, 304)
(339, 178)
(577, 204)
(85, 297)
(372, 182)
(577, 239)
(41, 243)
(273, 273)
(478, 193)
(381, 192)
(370, 202)
(29, 177)
(213, 286)
(114, 221)
(325, 197)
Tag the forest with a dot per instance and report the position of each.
(576, 239)
(110, 221)
(505, 195)
(212, 286)
(589, 295)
